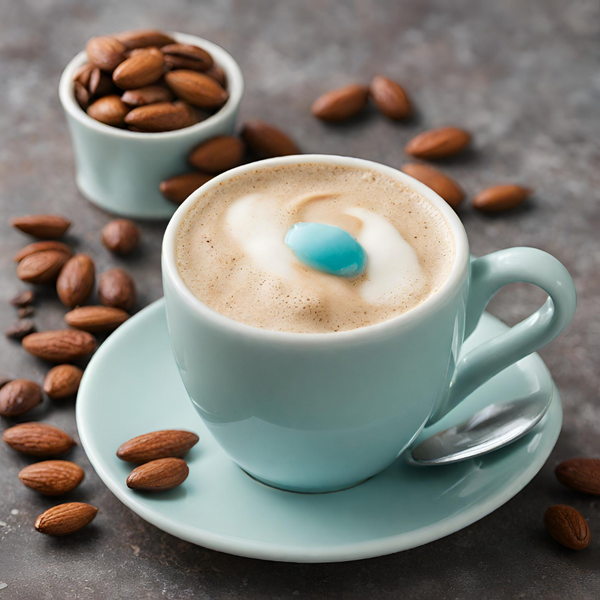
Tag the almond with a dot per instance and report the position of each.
(147, 95)
(501, 197)
(196, 88)
(52, 477)
(568, 527)
(64, 345)
(65, 518)
(105, 52)
(40, 246)
(42, 267)
(117, 288)
(217, 74)
(110, 110)
(341, 104)
(42, 226)
(162, 116)
(194, 58)
(20, 329)
(62, 381)
(76, 280)
(267, 140)
(438, 143)
(83, 74)
(38, 439)
(140, 70)
(82, 95)
(121, 236)
(218, 154)
(23, 299)
(390, 98)
(441, 184)
(96, 318)
(158, 444)
(158, 475)
(178, 188)
(581, 474)
(25, 311)
(18, 397)
(143, 38)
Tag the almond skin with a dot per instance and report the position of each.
(42, 267)
(82, 95)
(18, 397)
(48, 227)
(83, 74)
(162, 116)
(441, 184)
(20, 329)
(341, 104)
(140, 70)
(63, 345)
(52, 477)
(501, 197)
(23, 299)
(168, 443)
(117, 288)
(96, 319)
(38, 439)
(218, 155)
(267, 141)
(62, 381)
(110, 110)
(40, 246)
(65, 519)
(146, 95)
(178, 188)
(581, 474)
(121, 236)
(105, 52)
(438, 143)
(158, 475)
(390, 98)
(195, 58)
(76, 280)
(143, 38)
(196, 88)
(568, 527)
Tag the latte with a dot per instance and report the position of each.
(231, 248)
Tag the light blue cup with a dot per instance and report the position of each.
(121, 170)
(323, 412)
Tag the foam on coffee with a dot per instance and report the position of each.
(231, 250)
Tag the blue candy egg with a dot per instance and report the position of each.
(327, 248)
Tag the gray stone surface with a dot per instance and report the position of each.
(523, 76)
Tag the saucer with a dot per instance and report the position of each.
(132, 386)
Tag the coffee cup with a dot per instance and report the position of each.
(120, 170)
(320, 412)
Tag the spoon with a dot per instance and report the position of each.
(489, 429)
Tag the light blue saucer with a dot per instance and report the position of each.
(132, 386)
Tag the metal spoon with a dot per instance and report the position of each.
(487, 430)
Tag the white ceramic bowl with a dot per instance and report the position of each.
(121, 170)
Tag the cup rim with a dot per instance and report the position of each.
(235, 84)
(454, 280)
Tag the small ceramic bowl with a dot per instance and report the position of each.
(121, 170)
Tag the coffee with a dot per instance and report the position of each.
(231, 250)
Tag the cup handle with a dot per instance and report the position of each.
(488, 274)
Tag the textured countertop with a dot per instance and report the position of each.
(522, 76)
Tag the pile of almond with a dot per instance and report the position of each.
(564, 523)
(392, 100)
(52, 262)
(225, 152)
(159, 456)
(146, 81)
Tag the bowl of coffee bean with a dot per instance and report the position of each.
(137, 103)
